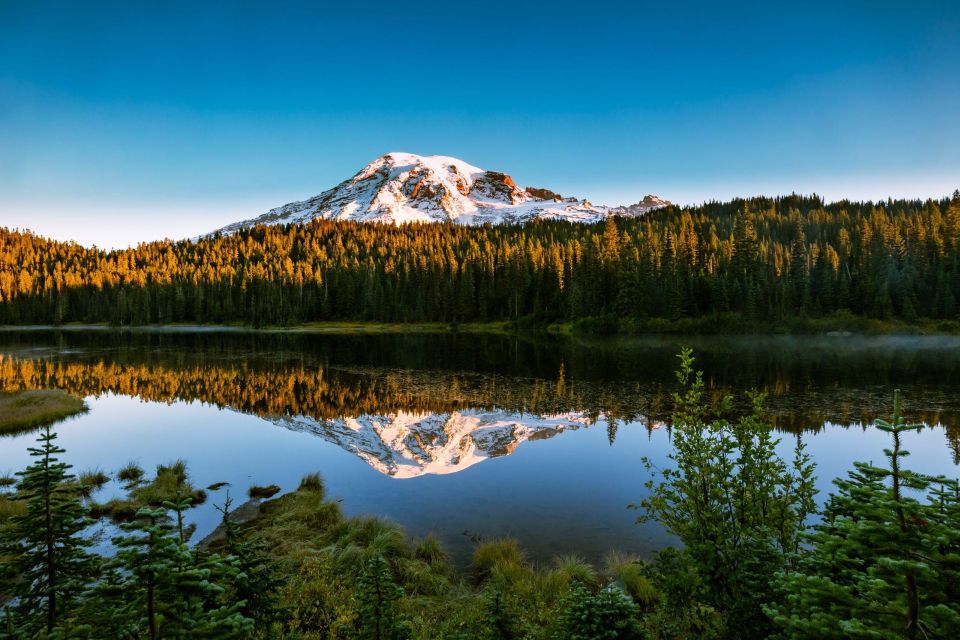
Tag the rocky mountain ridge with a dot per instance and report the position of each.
(400, 188)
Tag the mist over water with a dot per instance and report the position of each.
(468, 436)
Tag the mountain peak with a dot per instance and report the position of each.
(400, 187)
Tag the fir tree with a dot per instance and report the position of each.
(258, 581)
(166, 589)
(377, 599)
(882, 563)
(608, 615)
(48, 563)
(498, 621)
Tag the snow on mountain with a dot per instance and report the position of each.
(649, 203)
(404, 187)
(407, 445)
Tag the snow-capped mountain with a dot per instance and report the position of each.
(404, 187)
(649, 203)
(407, 445)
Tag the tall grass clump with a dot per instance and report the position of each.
(312, 482)
(257, 492)
(496, 557)
(131, 473)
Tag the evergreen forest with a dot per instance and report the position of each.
(761, 260)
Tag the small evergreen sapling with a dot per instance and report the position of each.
(607, 615)
(48, 561)
(377, 597)
(882, 564)
(258, 581)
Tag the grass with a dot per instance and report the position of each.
(496, 556)
(258, 492)
(7, 481)
(26, 410)
(118, 509)
(171, 483)
(312, 482)
(629, 570)
(713, 324)
(320, 555)
(10, 507)
(131, 473)
(91, 481)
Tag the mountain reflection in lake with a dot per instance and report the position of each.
(539, 438)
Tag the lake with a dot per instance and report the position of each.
(469, 436)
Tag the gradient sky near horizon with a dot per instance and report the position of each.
(127, 121)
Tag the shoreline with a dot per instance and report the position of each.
(841, 325)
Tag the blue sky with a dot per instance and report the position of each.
(130, 121)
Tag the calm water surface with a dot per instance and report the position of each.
(466, 436)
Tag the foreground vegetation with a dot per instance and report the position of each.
(765, 260)
(881, 559)
(24, 410)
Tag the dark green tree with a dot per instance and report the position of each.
(49, 566)
(160, 588)
(498, 621)
(607, 615)
(883, 563)
(738, 508)
(377, 598)
(257, 583)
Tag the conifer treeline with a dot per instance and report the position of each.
(767, 259)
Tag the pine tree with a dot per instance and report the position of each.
(167, 590)
(607, 615)
(498, 621)
(377, 598)
(882, 564)
(48, 563)
(258, 581)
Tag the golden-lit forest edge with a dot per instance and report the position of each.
(790, 264)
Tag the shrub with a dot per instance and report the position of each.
(610, 614)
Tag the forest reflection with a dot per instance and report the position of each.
(807, 384)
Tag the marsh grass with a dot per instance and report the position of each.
(10, 507)
(7, 481)
(431, 551)
(502, 555)
(258, 493)
(27, 410)
(312, 482)
(118, 510)
(321, 555)
(632, 573)
(171, 483)
(91, 481)
(131, 473)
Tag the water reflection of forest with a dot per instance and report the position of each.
(342, 377)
